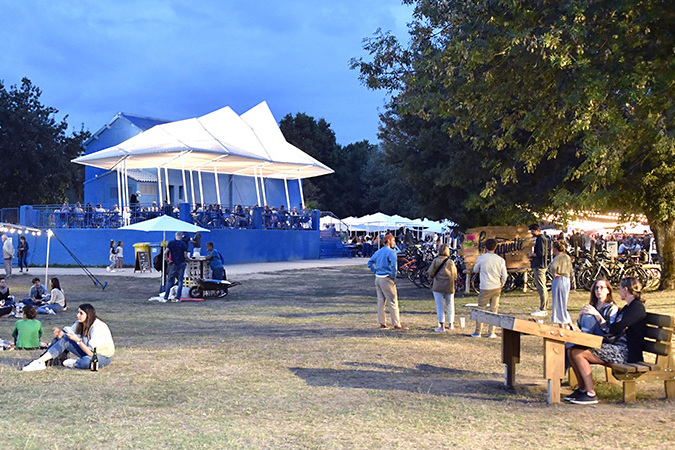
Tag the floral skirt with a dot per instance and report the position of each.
(616, 353)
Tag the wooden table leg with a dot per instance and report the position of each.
(510, 355)
(554, 368)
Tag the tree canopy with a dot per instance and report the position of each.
(363, 181)
(525, 108)
(35, 151)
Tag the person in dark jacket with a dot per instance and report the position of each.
(630, 325)
(22, 253)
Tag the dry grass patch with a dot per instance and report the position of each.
(295, 360)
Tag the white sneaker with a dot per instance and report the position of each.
(34, 366)
(107, 268)
(492, 336)
(476, 335)
(439, 330)
(51, 311)
(539, 313)
(70, 363)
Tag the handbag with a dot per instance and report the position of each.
(613, 338)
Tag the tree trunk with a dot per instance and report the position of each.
(664, 233)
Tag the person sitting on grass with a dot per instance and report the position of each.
(27, 331)
(57, 300)
(87, 334)
(215, 260)
(37, 294)
(6, 300)
(629, 331)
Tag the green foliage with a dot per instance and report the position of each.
(546, 105)
(363, 182)
(35, 151)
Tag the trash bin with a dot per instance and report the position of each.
(143, 261)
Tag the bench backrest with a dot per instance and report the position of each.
(658, 338)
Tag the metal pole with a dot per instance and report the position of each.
(201, 187)
(262, 187)
(192, 189)
(288, 199)
(159, 186)
(185, 189)
(302, 197)
(49, 238)
(257, 190)
(166, 180)
(215, 174)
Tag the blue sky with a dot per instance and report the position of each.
(180, 59)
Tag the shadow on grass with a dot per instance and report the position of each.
(424, 379)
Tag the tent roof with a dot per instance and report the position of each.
(219, 141)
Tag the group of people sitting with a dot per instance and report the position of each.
(44, 303)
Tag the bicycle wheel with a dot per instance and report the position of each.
(637, 273)
(475, 283)
(510, 284)
(586, 278)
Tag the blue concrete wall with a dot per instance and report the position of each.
(237, 246)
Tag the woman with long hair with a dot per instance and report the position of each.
(562, 271)
(112, 257)
(600, 313)
(628, 335)
(89, 333)
(57, 300)
(443, 273)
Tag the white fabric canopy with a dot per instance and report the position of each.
(220, 141)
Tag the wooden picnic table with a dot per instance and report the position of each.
(554, 346)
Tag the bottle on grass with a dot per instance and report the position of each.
(93, 365)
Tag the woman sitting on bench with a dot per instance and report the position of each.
(629, 331)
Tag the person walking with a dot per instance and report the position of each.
(538, 263)
(112, 256)
(443, 274)
(22, 253)
(492, 270)
(383, 263)
(7, 254)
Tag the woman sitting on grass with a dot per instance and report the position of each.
(87, 334)
(27, 331)
(57, 300)
(629, 325)
(596, 317)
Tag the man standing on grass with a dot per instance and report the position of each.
(384, 264)
(178, 251)
(492, 270)
(539, 268)
(7, 254)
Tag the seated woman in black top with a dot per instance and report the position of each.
(630, 323)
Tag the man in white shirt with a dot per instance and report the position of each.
(7, 254)
(492, 270)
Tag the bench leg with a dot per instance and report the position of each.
(629, 391)
(609, 376)
(670, 389)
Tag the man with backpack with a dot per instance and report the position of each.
(215, 260)
(539, 264)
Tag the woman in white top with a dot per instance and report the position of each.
(119, 254)
(89, 333)
(57, 300)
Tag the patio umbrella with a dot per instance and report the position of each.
(163, 224)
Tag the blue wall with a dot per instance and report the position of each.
(91, 247)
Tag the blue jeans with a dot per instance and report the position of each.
(175, 271)
(23, 260)
(218, 274)
(29, 302)
(83, 360)
(54, 307)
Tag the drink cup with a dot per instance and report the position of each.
(462, 322)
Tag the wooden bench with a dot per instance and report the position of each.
(658, 341)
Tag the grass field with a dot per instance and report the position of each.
(295, 359)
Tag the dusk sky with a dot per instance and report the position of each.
(180, 59)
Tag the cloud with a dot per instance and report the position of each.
(182, 59)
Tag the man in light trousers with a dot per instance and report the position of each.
(492, 270)
(384, 264)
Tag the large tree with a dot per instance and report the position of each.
(35, 151)
(363, 182)
(547, 105)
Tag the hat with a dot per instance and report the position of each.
(138, 192)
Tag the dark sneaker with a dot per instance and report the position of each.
(575, 394)
(585, 399)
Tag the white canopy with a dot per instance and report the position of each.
(220, 141)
